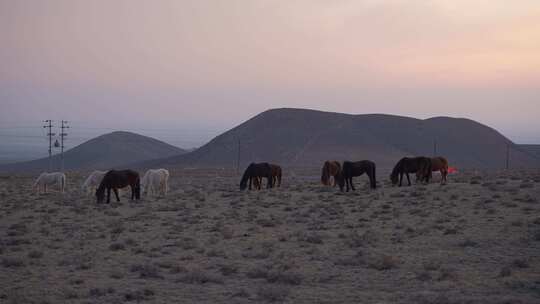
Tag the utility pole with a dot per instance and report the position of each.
(238, 159)
(48, 124)
(507, 156)
(62, 135)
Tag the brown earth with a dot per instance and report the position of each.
(475, 240)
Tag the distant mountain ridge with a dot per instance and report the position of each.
(302, 137)
(112, 150)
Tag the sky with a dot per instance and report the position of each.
(184, 71)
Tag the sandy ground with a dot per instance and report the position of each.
(475, 240)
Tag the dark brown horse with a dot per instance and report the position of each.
(440, 164)
(331, 168)
(419, 165)
(276, 177)
(116, 180)
(254, 171)
(352, 169)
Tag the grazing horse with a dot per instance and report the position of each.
(47, 179)
(254, 171)
(276, 175)
(116, 180)
(352, 169)
(155, 181)
(440, 164)
(92, 182)
(330, 169)
(419, 165)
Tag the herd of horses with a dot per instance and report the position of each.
(334, 173)
(155, 181)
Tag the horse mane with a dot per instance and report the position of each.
(247, 174)
(397, 167)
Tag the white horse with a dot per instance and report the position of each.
(92, 182)
(48, 179)
(155, 181)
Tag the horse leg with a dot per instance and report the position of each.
(400, 178)
(408, 179)
(108, 195)
(352, 185)
(249, 185)
(116, 193)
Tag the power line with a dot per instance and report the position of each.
(50, 135)
(63, 134)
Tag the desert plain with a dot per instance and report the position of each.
(474, 240)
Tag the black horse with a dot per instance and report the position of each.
(352, 169)
(255, 171)
(419, 165)
(116, 180)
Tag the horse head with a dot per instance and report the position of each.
(100, 195)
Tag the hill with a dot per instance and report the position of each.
(112, 150)
(301, 137)
(531, 149)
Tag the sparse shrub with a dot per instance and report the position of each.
(139, 295)
(520, 263)
(468, 243)
(131, 242)
(284, 277)
(423, 276)
(447, 274)
(116, 274)
(257, 273)
(197, 276)
(432, 265)
(227, 270)
(117, 246)
(242, 293)
(147, 271)
(384, 262)
(35, 254)
(9, 262)
(505, 272)
(273, 293)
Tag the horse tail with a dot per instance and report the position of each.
(279, 177)
(245, 177)
(325, 174)
(374, 174)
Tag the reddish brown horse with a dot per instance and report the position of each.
(275, 170)
(116, 180)
(440, 164)
(331, 168)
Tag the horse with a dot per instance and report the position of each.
(352, 169)
(155, 181)
(330, 169)
(440, 164)
(93, 181)
(276, 175)
(119, 179)
(254, 171)
(420, 165)
(45, 179)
